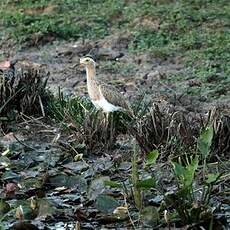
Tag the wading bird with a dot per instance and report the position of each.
(103, 96)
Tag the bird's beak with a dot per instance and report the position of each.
(74, 66)
(81, 63)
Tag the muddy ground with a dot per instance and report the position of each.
(46, 170)
(133, 74)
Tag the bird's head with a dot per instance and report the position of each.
(87, 62)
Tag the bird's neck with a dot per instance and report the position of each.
(92, 84)
(90, 73)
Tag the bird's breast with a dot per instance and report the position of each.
(93, 90)
(105, 105)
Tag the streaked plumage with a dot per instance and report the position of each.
(103, 96)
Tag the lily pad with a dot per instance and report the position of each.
(150, 216)
(45, 208)
(77, 167)
(69, 182)
(97, 187)
(106, 204)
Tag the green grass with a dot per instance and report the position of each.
(65, 19)
(124, 69)
(196, 31)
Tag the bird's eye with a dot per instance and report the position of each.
(87, 60)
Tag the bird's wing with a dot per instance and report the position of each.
(114, 97)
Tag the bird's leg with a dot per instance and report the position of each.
(106, 128)
(107, 119)
(111, 130)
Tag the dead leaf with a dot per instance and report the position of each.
(10, 188)
(5, 65)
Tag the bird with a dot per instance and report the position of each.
(103, 96)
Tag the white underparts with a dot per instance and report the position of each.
(105, 105)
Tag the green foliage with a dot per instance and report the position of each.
(64, 107)
(113, 184)
(146, 184)
(151, 158)
(138, 184)
(90, 126)
(61, 19)
(205, 140)
(186, 174)
(188, 205)
(4, 208)
(125, 69)
(195, 31)
(212, 178)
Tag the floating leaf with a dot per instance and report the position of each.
(106, 204)
(97, 186)
(69, 181)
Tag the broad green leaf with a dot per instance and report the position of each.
(178, 169)
(106, 204)
(113, 184)
(186, 174)
(205, 140)
(190, 172)
(151, 158)
(146, 184)
(212, 178)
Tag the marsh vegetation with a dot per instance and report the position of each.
(62, 166)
